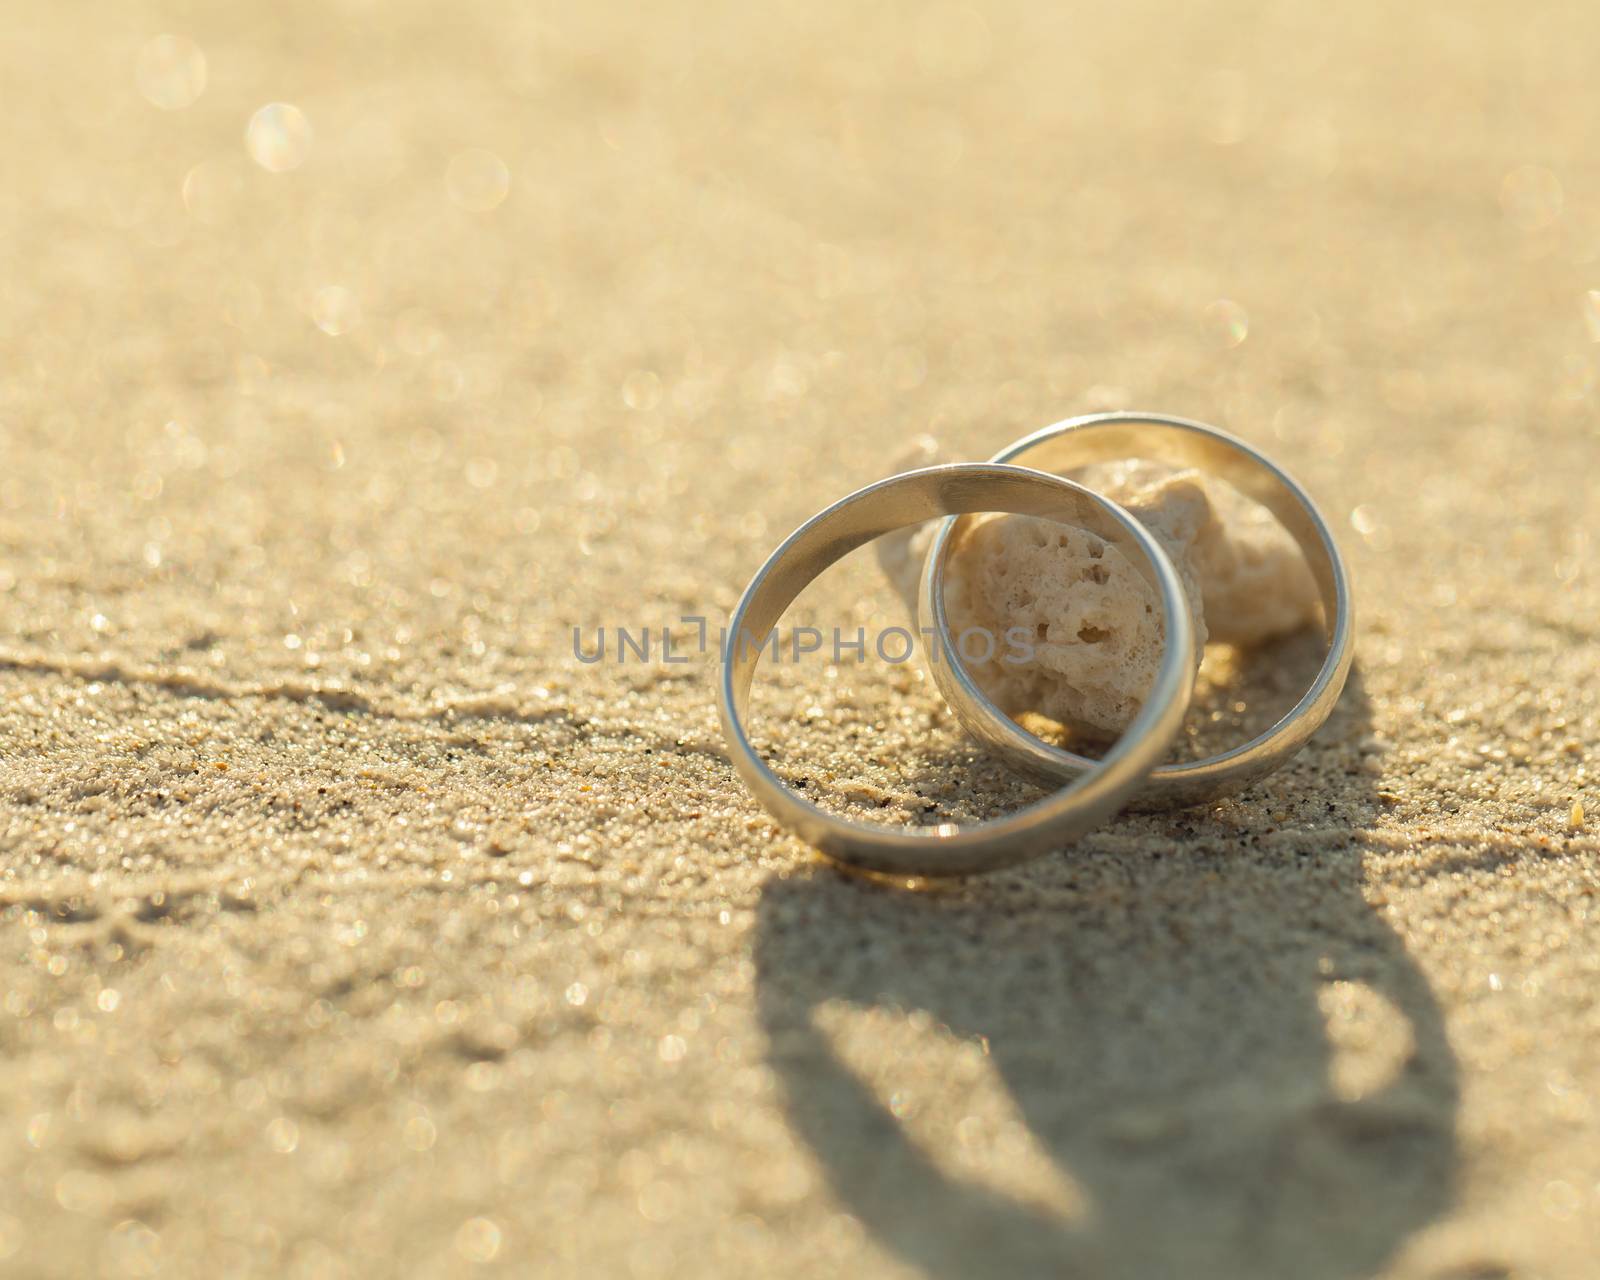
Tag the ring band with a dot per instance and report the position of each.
(1110, 436)
(1097, 791)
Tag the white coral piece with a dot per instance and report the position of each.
(1093, 626)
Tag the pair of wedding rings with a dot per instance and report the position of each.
(1093, 790)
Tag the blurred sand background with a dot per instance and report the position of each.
(349, 927)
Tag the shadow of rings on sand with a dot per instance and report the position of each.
(1160, 1003)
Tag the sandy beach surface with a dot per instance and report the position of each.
(351, 927)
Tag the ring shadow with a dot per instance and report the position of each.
(1153, 1003)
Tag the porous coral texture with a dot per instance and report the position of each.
(1064, 625)
(1079, 629)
